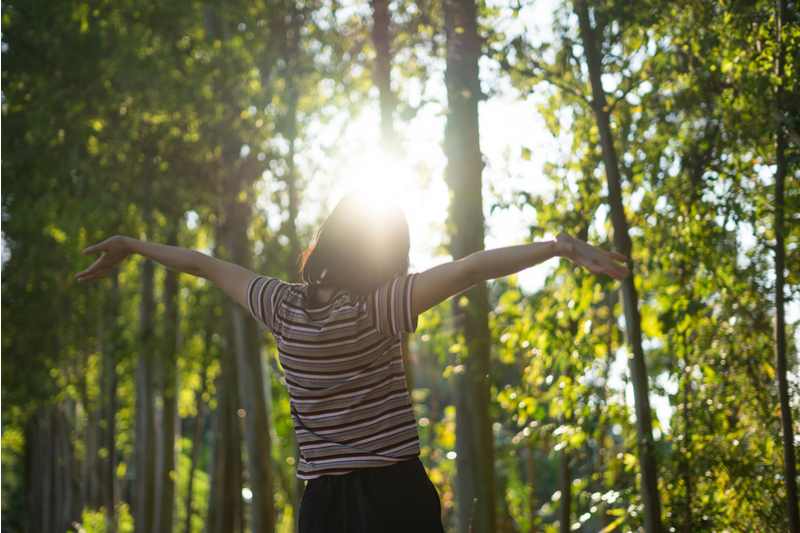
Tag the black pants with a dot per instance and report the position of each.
(398, 498)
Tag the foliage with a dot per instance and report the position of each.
(140, 117)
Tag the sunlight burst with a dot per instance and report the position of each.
(378, 178)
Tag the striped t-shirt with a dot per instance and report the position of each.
(344, 370)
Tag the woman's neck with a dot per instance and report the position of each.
(322, 295)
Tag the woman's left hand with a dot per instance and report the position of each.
(115, 250)
(592, 259)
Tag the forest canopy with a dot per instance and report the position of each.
(552, 401)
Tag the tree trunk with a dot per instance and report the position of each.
(197, 440)
(789, 465)
(565, 486)
(381, 78)
(166, 501)
(602, 431)
(251, 383)
(225, 499)
(290, 47)
(530, 479)
(382, 68)
(111, 487)
(95, 411)
(565, 456)
(145, 407)
(291, 179)
(646, 448)
(108, 478)
(37, 473)
(244, 334)
(686, 449)
(433, 376)
(51, 483)
(471, 393)
(91, 466)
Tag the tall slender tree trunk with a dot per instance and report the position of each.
(95, 411)
(565, 455)
(646, 447)
(49, 499)
(64, 508)
(197, 443)
(565, 486)
(197, 439)
(108, 481)
(789, 464)
(168, 360)
(226, 507)
(382, 68)
(37, 472)
(91, 463)
(530, 479)
(686, 449)
(33, 472)
(225, 510)
(434, 375)
(51, 483)
(611, 323)
(71, 507)
(291, 180)
(471, 395)
(289, 483)
(290, 48)
(251, 383)
(381, 78)
(145, 404)
(245, 334)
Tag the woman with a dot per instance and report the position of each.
(338, 338)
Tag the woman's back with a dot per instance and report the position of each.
(344, 370)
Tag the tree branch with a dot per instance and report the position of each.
(504, 64)
(789, 130)
(631, 87)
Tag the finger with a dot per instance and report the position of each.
(614, 269)
(615, 256)
(91, 270)
(83, 277)
(620, 270)
(608, 268)
(91, 249)
(596, 268)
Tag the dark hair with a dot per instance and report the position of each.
(358, 248)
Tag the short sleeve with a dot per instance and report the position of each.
(263, 296)
(391, 306)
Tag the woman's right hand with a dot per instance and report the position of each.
(592, 259)
(115, 250)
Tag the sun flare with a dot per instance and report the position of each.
(378, 178)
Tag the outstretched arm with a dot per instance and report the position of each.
(440, 283)
(231, 278)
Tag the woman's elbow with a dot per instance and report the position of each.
(471, 274)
